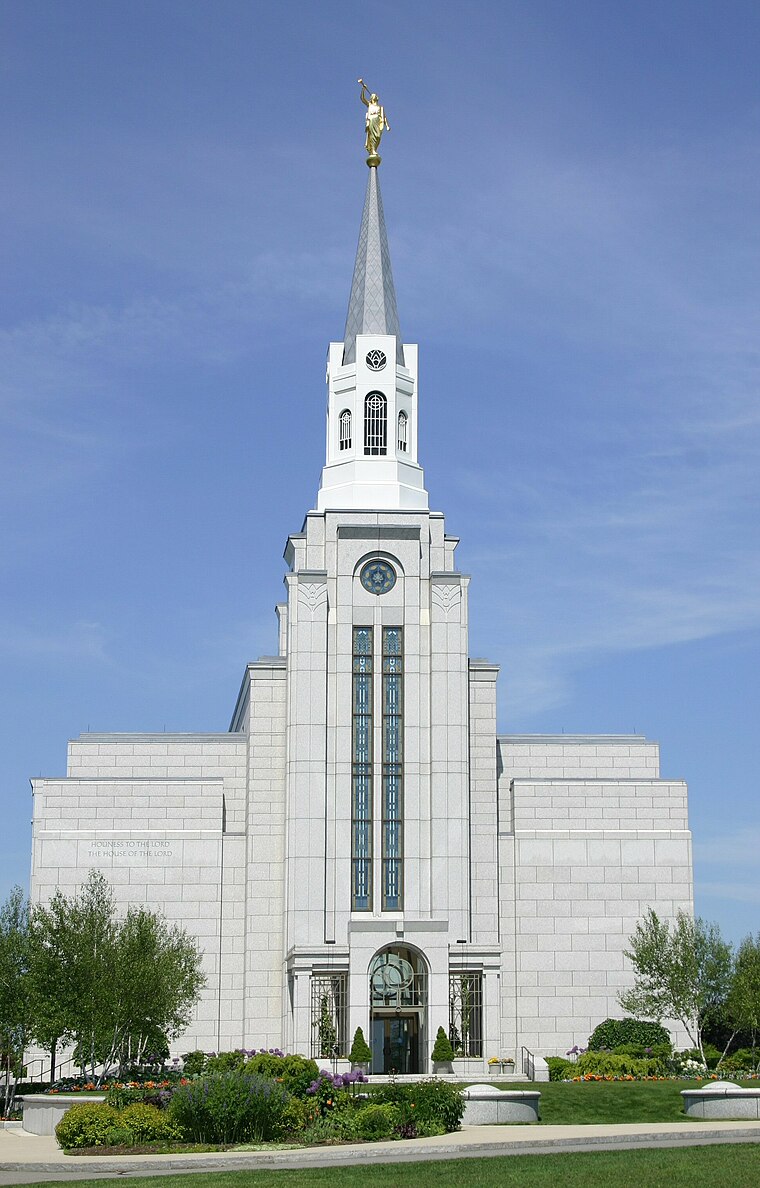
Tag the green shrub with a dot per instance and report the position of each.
(606, 1064)
(344, 1116)
(442, 1049)
(298, 1072)
(376, 1122)
(297, 1115)
(322, 1130)
(119, 1136)
(86, 1125)
(360, 1053)
(742, 1058)
(430, 1128)
(613, 1032)
(193, 1063)
(712, 1055)
(295, 1073)
(147, 1123)
(266, 1065)
(437, 1101)
(658, 1057)
(427, 1101)
(637, 1050)
(230, 1107)
(121, 1096)
(224, 1062)
(395, 1094)
(559, 1068)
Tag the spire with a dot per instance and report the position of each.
(372, 304)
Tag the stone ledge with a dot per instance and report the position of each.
(43, 1111)
(722, 1099)
(485, 1105)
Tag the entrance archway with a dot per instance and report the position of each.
(398, 1010)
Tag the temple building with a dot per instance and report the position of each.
(362, 847)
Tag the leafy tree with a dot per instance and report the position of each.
(743, 1003)
(684, 973)
(15, 996)
(157, 983)
(119, 988)
(74, 957)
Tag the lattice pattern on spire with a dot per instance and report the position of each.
(372, 304)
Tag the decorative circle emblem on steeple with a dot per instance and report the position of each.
(378, 577)
(376, 360)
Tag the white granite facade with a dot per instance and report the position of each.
(505, 871)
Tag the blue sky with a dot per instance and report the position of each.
(572, 196)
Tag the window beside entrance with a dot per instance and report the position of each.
(466, 1013)
(329, 1015)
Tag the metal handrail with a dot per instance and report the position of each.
(528, 1064)
(44, 1066)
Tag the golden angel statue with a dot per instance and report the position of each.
(375, 123)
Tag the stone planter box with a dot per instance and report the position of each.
(722, 1099)
(485, 1105)
(42, 1112)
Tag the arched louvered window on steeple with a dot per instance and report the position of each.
(375, 423)
(344, 440)
(403, 426)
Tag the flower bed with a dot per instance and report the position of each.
(265, 1097)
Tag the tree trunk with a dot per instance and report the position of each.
(53, 1047)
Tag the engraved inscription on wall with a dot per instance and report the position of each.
(143, 850)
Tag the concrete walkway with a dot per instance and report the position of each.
(33, 1159)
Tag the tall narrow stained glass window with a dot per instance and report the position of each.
(361, 810)
(393, 733)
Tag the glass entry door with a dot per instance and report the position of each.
(395, 1044)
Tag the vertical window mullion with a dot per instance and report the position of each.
(361, 793)
(392, 769)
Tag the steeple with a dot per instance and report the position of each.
(372, 305)
(372, 397)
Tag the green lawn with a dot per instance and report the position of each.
(610, 1101)
(737, 1164)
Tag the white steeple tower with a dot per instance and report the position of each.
(372, 399)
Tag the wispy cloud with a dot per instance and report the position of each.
(738, 892)
(73, 641)
(738, 849)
